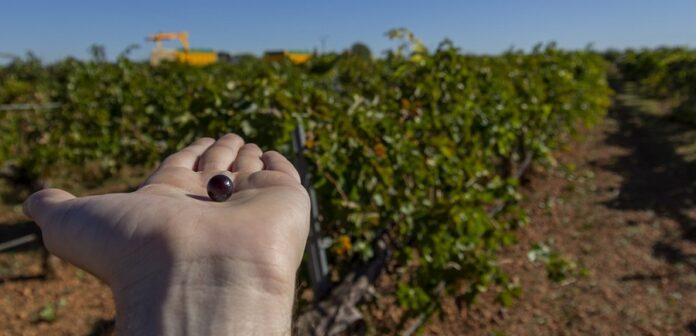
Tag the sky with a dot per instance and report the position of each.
(57, 29)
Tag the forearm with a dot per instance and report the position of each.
(189, 312)
(195, 307)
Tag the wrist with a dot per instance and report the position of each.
(211, 299)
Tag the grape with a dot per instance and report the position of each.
(220, 188)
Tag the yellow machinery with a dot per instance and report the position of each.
(185, 54)
(297, 57)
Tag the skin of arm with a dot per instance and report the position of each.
(179, 263)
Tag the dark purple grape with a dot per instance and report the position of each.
(220, 188)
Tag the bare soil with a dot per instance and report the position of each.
(621, 203)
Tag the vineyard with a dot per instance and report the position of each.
(417, 157)
(667, 74)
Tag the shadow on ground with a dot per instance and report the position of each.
(657, 178)
(102, 328)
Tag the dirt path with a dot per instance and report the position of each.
(623, 206)
(627, 213)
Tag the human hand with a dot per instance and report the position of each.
(179, 263)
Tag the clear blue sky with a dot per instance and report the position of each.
(56, 29)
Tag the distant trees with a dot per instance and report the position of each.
(361, 50)
(97, 52)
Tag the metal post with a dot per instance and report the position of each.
(316, 263)
(27, 107)
(18, 242)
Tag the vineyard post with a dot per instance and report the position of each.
(29, 107)
(317, 264)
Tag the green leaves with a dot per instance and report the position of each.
(558, 268)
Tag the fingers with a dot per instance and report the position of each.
(273, 160)
(189, 156)
(248, 159)
(264, 179)
(221, 154)
(277, 171)
(46, 205)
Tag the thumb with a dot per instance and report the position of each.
(45, 205)
(50, 209)
(62, 229)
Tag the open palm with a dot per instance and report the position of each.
(169, 228)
